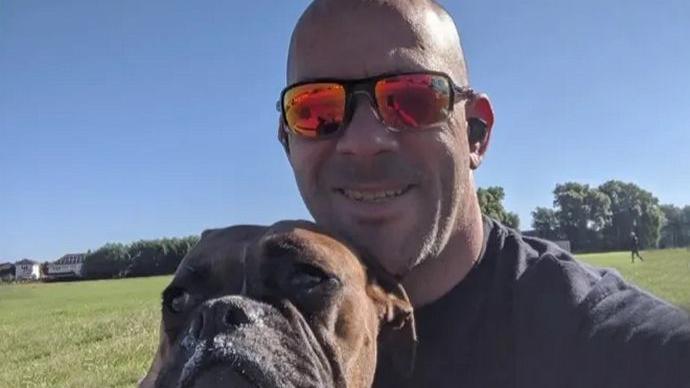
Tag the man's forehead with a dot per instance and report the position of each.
(395, 61)
(361, 39)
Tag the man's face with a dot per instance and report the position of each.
(397, 196)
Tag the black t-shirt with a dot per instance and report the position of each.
(529, 315)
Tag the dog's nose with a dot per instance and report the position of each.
(221, 315)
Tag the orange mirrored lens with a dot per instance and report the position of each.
(315, 110)
(414, 100)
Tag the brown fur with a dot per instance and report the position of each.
(243, 259)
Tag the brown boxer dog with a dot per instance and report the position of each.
(280, 306)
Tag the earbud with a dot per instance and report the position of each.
(476, 130)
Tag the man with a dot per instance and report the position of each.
(634, 247)
(383, 134)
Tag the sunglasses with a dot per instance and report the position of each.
(403, 102)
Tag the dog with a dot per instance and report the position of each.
(280, 306)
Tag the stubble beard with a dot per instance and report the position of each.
(436, 239)
(445, 219)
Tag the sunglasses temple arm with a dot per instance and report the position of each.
(465, 92)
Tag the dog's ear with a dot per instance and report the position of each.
(397, 340)
(393, 306)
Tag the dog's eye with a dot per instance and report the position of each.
(176, 300)
(179, 303)
(307, 277)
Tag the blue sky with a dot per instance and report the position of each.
(127, 120)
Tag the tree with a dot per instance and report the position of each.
(582, 213)
(545, 224)
(106, 262)
(141, 258)
(147, 256)
(158, 257)
(43, 268)
(491, 204)
(632, 210)
(675, 230)
(686, 226)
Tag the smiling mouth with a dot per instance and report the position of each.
(372, 195)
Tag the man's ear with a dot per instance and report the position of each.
(397, 340)
(480, 121)
(283, 137)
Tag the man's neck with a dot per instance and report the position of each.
(436, 276)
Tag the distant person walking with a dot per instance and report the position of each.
(634, 247)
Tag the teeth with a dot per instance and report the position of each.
(371, 196)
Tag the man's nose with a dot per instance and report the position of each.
(222, 315)
(365, 134)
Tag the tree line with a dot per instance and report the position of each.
(140, 258)
(599, 218)
(592, 218)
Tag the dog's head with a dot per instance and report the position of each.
(284, 306)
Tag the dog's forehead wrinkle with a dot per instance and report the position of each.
(316, 248)
(193, 272)
(303, 241)
(279, 245)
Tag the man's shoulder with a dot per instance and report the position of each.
(545, 274)
(614, 332)
(566, 290)
(543, 270)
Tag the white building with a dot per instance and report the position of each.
(68, 266)
(27, 270)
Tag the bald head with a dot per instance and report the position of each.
(362, 38)
(404, 198)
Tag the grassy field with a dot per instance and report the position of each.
(79, 334)
(103, 333)
(665, 273)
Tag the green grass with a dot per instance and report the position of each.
(664, 273)
(80, 334)
(104, 333)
